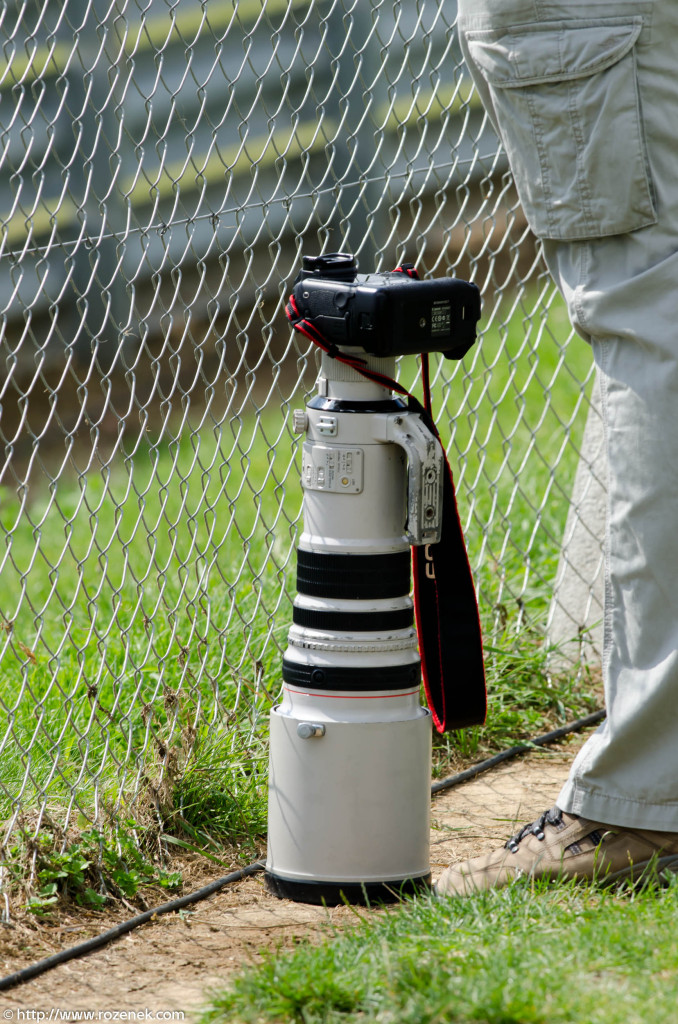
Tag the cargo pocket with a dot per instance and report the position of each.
(566, 99)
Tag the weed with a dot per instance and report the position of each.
(85, 871)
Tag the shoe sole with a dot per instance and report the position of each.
(634, 872)
(640, 872)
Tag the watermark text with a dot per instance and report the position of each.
(59, 1013)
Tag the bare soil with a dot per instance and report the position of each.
(172, 963)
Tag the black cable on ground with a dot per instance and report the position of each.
(74, 952)
(125, 926)
(521, 748)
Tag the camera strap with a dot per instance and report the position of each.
(446, 608)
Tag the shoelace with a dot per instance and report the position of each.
(554, 816)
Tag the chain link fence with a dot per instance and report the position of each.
(163, 166)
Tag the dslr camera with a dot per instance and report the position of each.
(386, 314)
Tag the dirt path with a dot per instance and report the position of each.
(171, 965)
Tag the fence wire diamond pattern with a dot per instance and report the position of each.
(163, 166)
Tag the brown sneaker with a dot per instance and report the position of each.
(564, 846)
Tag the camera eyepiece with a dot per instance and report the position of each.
(335, 266)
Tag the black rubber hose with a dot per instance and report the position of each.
(125, 926)
(521, 748)
(33, 970)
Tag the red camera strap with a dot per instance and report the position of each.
(446, 609)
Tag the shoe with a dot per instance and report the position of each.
(564, 846)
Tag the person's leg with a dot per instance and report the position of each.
(586, 100)
(627, 773)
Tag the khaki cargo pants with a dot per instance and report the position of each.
(585, 99)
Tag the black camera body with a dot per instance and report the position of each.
(389, 313)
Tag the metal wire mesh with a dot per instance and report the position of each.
(162, 168)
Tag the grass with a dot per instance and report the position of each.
(523, 698)
(145, 602)
(138, 647)
(544, 955)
